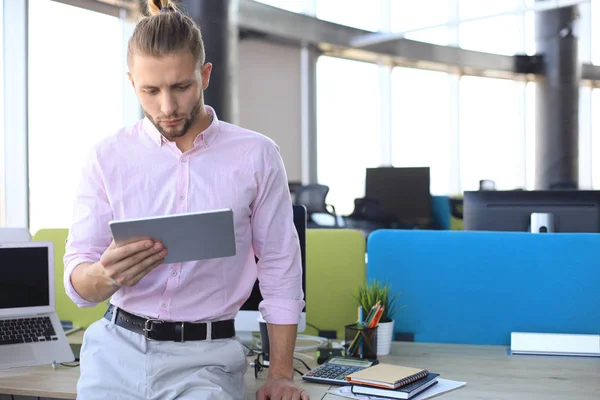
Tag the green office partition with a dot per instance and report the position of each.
(335, 268)
(65, 308)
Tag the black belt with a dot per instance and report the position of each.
(155, 329)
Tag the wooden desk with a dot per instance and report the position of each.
(491, 374)
(488, 371)
(60, 383)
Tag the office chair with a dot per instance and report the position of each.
(367, 216)
(313, 197)
(456, 207)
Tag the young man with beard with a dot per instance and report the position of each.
(181, 158)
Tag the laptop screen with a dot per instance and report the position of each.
(24, 277)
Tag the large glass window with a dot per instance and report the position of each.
(596, 139)
(354, 13)
(349, 128)
(492, 144)
(530, 133)
(421, 124)
(500, 35)
(595, 31)
(585, 140)
(2, 184)
(72, 103)
(471, 9)
(412, 17)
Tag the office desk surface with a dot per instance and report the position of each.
(60, 383)
(488, 371)
(491, 374)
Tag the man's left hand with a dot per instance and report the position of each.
(281, 389)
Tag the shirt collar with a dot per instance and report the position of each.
(206, 138)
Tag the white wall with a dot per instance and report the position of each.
(270, 98)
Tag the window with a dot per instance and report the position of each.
(2, 185)
(585, 140)
(72, 103)
(470, 9)
(492, 142)
(353, 13)
(530, 46)
(349, 128)
(421, 124)
(407, 16)
(595, 31)
(530, 135)
(596, 139)
(500, 35)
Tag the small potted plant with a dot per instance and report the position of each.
(368, 296)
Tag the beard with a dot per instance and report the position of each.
(174, 132)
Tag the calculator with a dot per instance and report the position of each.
(334, 370)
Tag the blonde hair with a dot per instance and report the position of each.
(165, 30)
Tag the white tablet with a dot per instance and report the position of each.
(187, 237)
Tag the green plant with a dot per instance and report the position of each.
(372, 292)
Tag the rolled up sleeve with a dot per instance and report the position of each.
(276, 244)
(89, 235)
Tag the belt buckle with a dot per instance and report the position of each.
(148, 327)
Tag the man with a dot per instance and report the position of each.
(181, 158)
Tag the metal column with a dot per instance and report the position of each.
(557, 108)
(218, 21)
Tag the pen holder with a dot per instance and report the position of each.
(361, 342)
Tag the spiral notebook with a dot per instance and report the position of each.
(387, 376)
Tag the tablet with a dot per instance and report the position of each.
(187, 237)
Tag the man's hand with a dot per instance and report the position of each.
(119, 266)
(128, 264)
(281, 389)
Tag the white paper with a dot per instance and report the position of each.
(443, 386)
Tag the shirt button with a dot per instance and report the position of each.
(173, 273)
(163, 304)
(181, 197)
(184, 160)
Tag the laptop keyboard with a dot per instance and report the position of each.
(26, 330)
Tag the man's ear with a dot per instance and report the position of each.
(205, 71)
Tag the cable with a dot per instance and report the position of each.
(304, 355)
(312, 326)
(321, 341)
(305, 365)
(70, 365)
(250, 350)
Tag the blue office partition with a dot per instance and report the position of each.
(478, 287)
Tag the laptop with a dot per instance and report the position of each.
(30, 331)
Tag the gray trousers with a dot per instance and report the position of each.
(119, 364)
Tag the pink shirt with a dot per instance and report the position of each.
(138, 173)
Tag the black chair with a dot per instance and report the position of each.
(313, 197)
(367, 216)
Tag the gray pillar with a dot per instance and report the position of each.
(308, 58)
(557, 98)
(217, 20)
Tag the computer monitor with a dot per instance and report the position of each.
(403, 194)
(532, 211)
(247, 320)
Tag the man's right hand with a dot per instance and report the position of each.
(119, 266)
(126, 265)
